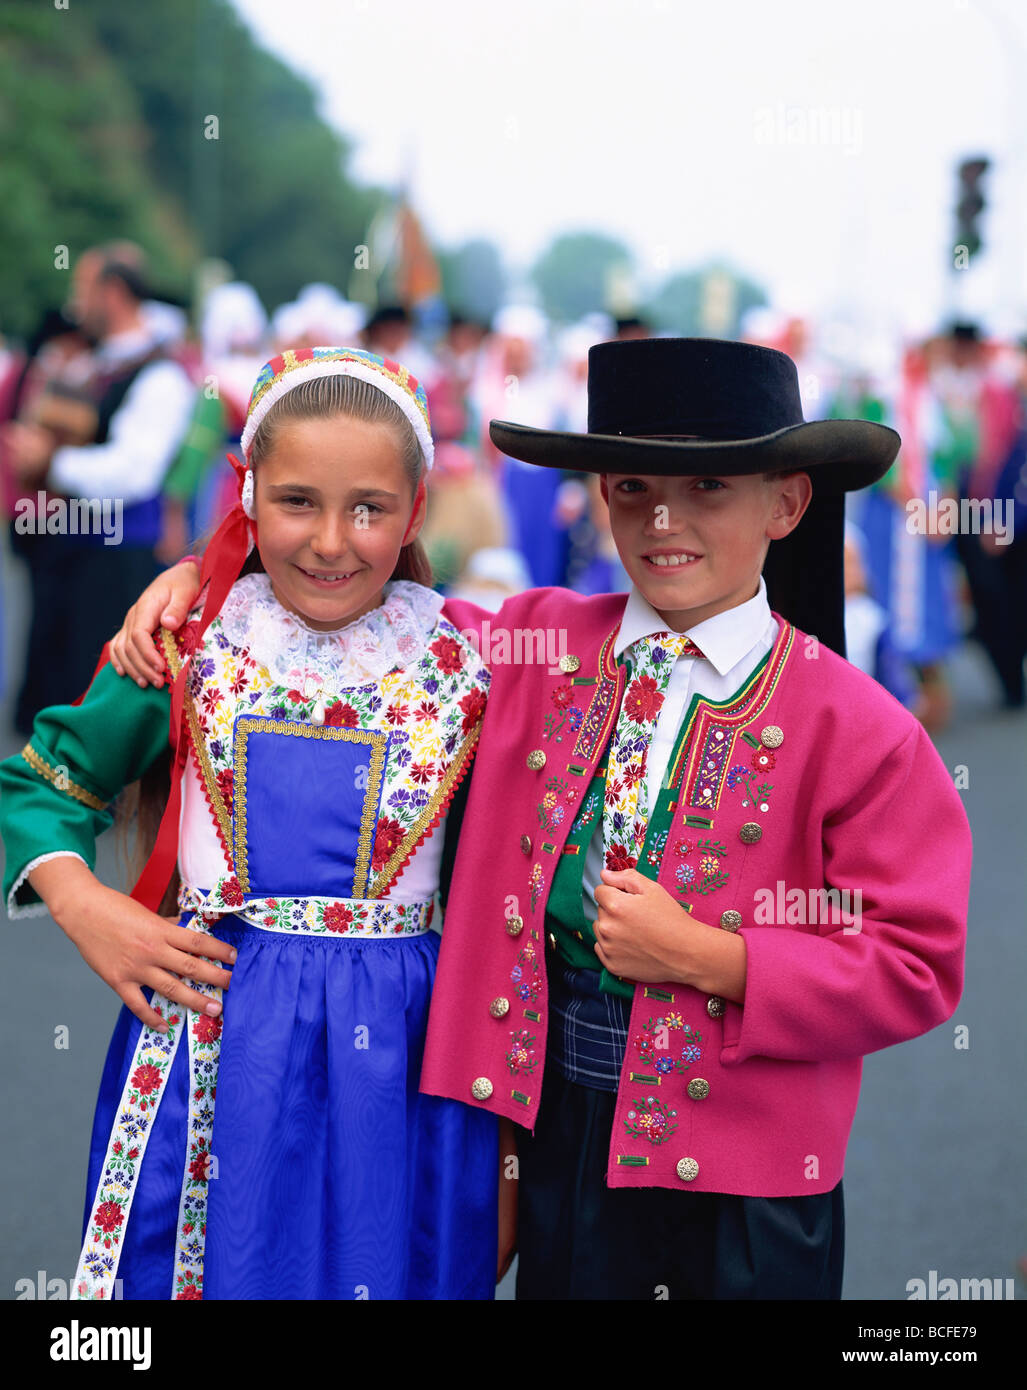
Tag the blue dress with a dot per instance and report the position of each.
(283, 1150)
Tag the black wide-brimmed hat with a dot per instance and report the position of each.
(681, 406)
(684, 406)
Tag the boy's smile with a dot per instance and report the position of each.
(694, 546)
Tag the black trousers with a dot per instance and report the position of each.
(579, 1239)
(80, 594)
(998, 588)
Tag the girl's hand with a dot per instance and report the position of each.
(164, 603)
(128, 946)
(507, 1198)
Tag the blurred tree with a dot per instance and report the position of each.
(264, 182)
(170, 126)
(473, 279)
(73, 170)
(682, 304)
(575, 274)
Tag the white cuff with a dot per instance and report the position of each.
(15, 911)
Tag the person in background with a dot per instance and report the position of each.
(491, 576)
(390, 333)
(142, 399)
(465, 514)
(199, 487)
(449, 386)
(1007, 559)
(632, 326)
(986, 415)
(515, 381)
(577, 496)
(42, 386)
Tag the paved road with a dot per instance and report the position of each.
(934, 1176)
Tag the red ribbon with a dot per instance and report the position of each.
(222, 561)
(417, 502)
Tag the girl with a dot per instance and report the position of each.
(259, 1132)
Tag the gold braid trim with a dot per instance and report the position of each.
(171, 655)
(247, 724)
(217, 801)
(60, 780)
(426, 820)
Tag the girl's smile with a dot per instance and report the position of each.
(333, 502)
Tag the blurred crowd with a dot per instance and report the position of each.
(118, 395)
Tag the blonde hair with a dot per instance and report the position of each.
(323, 398)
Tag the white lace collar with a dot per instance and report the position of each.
(394, 635)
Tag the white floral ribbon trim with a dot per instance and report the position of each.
(144, 1088)
(353, 917)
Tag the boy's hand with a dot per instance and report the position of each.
(643, 934)
(640, 929)
(164, 603)
(128, 946)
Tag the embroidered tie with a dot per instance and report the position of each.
(625, 809)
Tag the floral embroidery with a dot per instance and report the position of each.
(653, 1050)
(535, 884)
(316, 916)
(550, 815)
(711, 875)
(341, 716)
(529, 989)
(567, 715)
(617, 858)
(650, 1119)
(758, 794)
(587, 813)
(98, 1262)
(683, 847)
(521, 1057)
(204, 1056)
(654, 855)
(429, 709)
(642, 700)
(450, 655)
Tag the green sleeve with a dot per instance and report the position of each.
(201, 446)
(55, 794)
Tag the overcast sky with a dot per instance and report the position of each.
(809, 144)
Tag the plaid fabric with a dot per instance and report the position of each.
(588, 1029)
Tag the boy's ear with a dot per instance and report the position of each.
(793, 497)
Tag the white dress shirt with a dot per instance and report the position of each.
(144, 432)
(732, 642)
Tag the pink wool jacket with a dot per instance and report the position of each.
(763, 1102)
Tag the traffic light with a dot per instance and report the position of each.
(970, 203)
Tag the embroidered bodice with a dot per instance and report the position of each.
(321, 781)
(395, 635)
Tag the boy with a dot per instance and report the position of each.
(714, 884)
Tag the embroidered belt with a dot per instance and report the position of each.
(141, 1095)
(354, 917)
